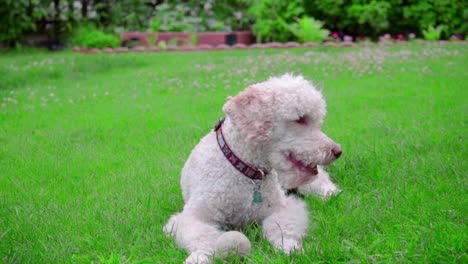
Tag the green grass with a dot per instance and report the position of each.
(91, 147)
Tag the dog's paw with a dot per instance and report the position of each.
(328, 189)
(290, 245)
(198, 258)
(324, 189)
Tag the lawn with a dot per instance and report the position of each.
(91, 147)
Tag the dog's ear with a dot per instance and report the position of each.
(251, 113)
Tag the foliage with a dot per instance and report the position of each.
(425, 13)
(91, 37)
(376, 17)
(233, 13)
(375, 14)
(152, 40)
(193, 40)
(17, 18)
(175, 18)
(271, 18)
(123, 15)
(173, 42)
(162, 45)
(193, 16)
(433, 33)
(356, 17)
(464, 26)
(308, 29)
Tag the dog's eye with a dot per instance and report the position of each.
(301, 120)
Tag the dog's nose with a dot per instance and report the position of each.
(336, 152)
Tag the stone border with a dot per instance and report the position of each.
(272, 45)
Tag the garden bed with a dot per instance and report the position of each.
(212, 44)
(184, 38)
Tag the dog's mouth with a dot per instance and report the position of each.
(301, 166)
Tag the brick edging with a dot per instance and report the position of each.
(272, 45)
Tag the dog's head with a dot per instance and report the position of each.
(285, 115)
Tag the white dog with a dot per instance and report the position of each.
(269, 141)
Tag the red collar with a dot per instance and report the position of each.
(248, 170)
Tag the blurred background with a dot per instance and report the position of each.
(58, 24)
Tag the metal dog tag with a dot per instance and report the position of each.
(257, 197)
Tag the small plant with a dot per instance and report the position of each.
(360, 39)
(173, 42)
(399, 37)
(90, 37)
(385, 37)
(308, 29)
(334, 37)
(191, 41)
(347, 38)
(154, 25)
(455, 38)
(152, 40)
(433, 33)
(162, 45)
(412, 38)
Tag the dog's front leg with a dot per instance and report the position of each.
(197, 237)
(285, 228)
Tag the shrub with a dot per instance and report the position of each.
(127, 15)
(233, 13)
(308, 29)
(425, 13)
(374, 14)
(17, 18)
(376, 17)
(190, 17)
(90, 37)
(175, 18)
(433, 33)
(271, 18)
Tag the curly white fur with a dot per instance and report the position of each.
(273, 125)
